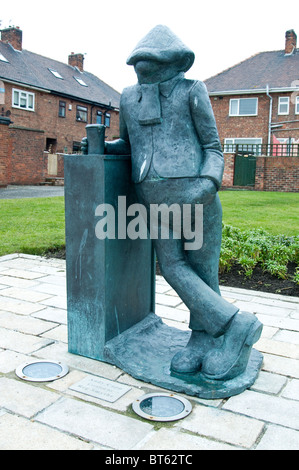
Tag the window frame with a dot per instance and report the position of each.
(62, 105)
(56, 74)
(238, 101)
(80, 81)
(233, 143)
(28, 95)
(83, 109)
(3, 59)
(297, 105)
(99, 115)
(76, 147)
(107, 119)
(279, 105)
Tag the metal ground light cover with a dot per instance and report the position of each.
(162, 407)
(41, 370)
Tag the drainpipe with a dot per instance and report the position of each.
(270, 120)
(92, 106)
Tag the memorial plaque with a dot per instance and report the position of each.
(101, 388)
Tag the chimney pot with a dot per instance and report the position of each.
(290, 41)
(13, 36)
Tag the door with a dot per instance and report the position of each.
(245, 165)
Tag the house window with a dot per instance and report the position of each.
(283, 105)
(62, 107)
(23, 100)
(250, 145)
(243, 107)
(285, 147)
(2, 92)
(81, 114)
(79, 80)
(107, 119)
(51, 145)
(297, 105)
(76, 147)
(2, 58)
(56, 74)
(99, 117)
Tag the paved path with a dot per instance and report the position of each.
(52, 415)
(19, 192)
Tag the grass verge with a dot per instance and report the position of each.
(275, 212)
(31, 225)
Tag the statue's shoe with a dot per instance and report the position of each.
(231, 358)
(189, 359)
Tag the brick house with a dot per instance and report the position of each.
(256, 106)
(44, 108)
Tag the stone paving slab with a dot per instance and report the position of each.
(264, 407)
(34, 436)
(24, 399)
(51, 415)
(95, 424)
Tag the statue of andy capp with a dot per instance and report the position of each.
(168, 127)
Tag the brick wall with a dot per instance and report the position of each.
(277, 174)
(272, 173)
(229, 167)
(5, 151)
(20, 164)
(27, 157)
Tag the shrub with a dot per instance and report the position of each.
(248, 248)
(296, 276)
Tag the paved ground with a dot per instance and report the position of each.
(51, 415)
(17, 192)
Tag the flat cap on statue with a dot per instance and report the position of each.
(163, 45)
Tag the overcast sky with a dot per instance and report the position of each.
(220, 32)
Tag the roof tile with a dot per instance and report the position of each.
(32, 69)
(272, 68)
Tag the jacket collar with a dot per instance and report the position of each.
(166, 88)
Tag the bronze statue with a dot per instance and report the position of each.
(168, 127)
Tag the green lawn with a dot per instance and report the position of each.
(37, 225)
(31, 225)
(275, 212)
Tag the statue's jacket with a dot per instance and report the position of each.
(184, 144)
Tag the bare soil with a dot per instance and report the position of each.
(261, 281)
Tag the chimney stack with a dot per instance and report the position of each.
(13, 36)
(291, 42)
(76, 60)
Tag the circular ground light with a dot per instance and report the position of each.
(41, 371)
(162, 407)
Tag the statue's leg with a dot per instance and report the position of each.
(211, 310)
(227, 358)
(205, 262)
(193, 275)
(196, 285)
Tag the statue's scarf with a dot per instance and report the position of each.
(150, 106)
(149, 98)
